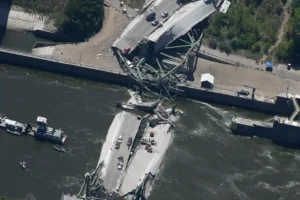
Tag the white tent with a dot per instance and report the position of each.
(207, 80)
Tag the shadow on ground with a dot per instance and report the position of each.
(5, 6)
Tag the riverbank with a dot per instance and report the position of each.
(94, 59)
(95, 52)
(192, 91)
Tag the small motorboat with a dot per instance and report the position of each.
(23, 164)
(60, 149)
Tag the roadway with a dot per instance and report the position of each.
(140, 28)
(181, 22)
(128, 128)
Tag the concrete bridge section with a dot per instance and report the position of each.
(127, 127)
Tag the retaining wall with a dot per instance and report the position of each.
(235, 101)
(55, 36)
(64, 68)
(124, 80)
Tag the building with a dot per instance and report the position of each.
(207, 81)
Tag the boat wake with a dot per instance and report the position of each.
(30, 196)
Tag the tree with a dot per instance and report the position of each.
(283, 52)
(249, 25)
(256, 47)
(83, 18)
(212, 43)
(225, 46)
(235, 44)
(3, 198)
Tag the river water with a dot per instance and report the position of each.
(205, 161)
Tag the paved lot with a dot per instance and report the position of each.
(280, 70)
(128, 128)
(141, 28)
(229, 78)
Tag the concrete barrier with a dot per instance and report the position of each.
(235, 101)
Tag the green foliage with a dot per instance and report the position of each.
(83, 17)
(3, 198)
(77, 18)
(289, 49)
(248, 25)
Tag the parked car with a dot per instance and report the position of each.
(120, 162)
(155, 22)
(243, 92)
(120, 138)
(164, 14)
(206, 1)
(126, 50)
(151, 16)
(129, 142)
(117, 145)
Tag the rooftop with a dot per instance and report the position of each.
(207, 77)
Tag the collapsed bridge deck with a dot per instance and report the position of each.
(180, 20)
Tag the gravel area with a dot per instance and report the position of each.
(96, 52)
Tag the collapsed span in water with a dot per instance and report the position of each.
(132, 153)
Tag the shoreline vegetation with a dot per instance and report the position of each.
(248, 25)
(251, 28)
(79, 19)
(289, 48)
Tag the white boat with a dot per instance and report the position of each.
(23, 164)
(14, 127)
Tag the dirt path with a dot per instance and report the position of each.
(286, 17)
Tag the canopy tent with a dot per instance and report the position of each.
(269, 66)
